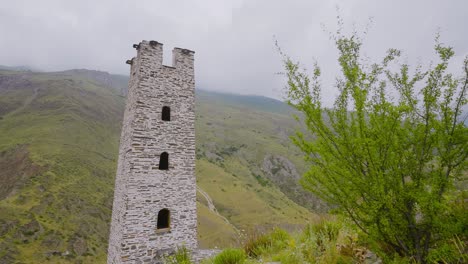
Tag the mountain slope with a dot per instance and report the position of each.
(71, 136)
(59, 137)
(232, 132)
(253, 102)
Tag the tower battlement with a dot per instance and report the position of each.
(182, 59)
(154, 209)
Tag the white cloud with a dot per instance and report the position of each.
(233, 39)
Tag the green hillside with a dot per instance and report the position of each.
(253, 102)
(238, 134)
(59, 137)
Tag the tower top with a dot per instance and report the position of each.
(181, 58)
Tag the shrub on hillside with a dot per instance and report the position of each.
(258, 244)
(391, 150)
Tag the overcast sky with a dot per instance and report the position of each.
(233, 39)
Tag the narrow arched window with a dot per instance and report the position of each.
(166, 113)
(164, 161)
(163, 219)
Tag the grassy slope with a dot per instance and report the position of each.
(73, 136)
(245, 202)
(213, 231)
(239, 135)
(70, 125)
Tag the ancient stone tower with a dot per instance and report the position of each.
(154, 208)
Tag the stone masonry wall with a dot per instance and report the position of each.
(141, 189)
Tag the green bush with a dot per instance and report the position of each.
(330, 241)
(181, 256)
(326, 229)
(391, 151)
(258, 244)
(230, 256)
(279, 235)
(254, 243)
(453, 251)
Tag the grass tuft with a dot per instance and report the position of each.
(230, 256)
(258, 244)
(181, 256)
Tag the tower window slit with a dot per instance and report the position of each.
(166, 113)
(163, 219)
(164, 161)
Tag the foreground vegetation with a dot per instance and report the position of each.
(391, 151)
(329, 240)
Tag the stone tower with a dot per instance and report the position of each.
(154, 209)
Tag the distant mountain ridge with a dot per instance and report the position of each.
(115, 81)
(120, 83)
(260, 103)
(18, 68)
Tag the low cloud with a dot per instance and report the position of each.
(233, 39)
